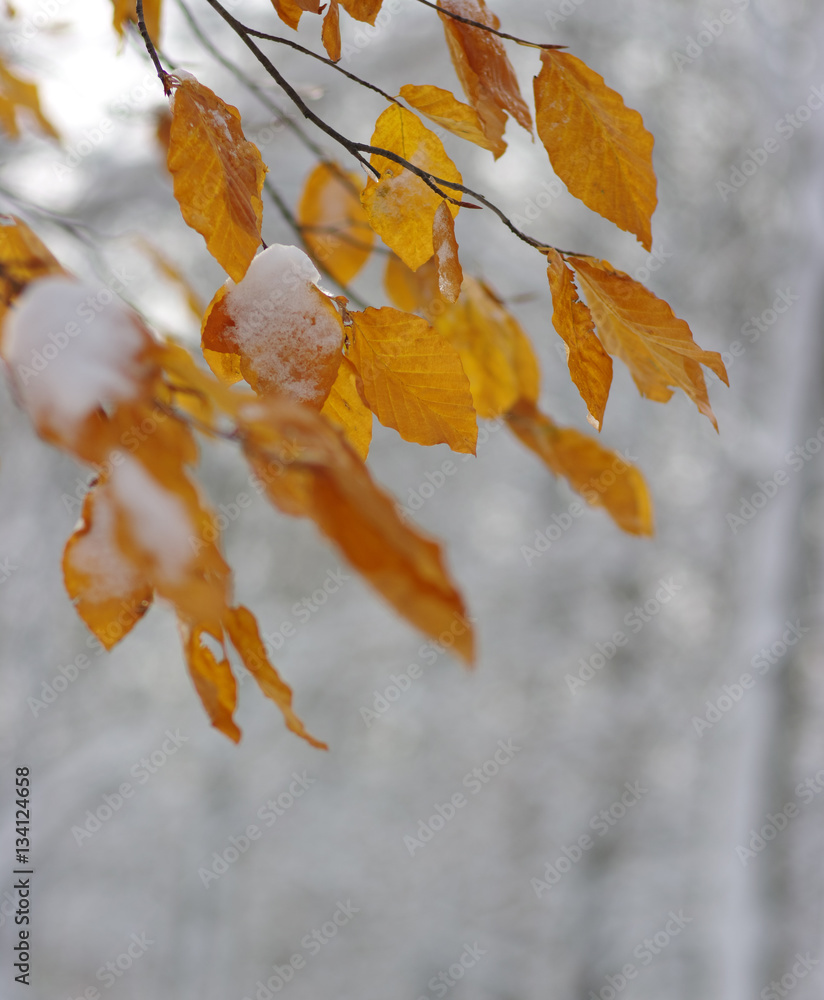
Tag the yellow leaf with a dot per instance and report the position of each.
(495, 352)
(243, 631)
(107, 590)
(441, 107)
(640, 329)
(8, 119)
(320, 477)
(20, 94)
(218, 175)
(126, 10)
(23, 258)
(485, 72)
(450, 273)
(412, 378)
(602, 477)
(284, 333)
(333, 222)
(345, 408)
(330, 33)
(413, 291)
(400, 206)
(589, 364)
(362, 10)
(596, 144)
(213, 679)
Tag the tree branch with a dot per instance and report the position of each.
(486, 27)
(141, 26)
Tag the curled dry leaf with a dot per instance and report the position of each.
(400, 205)
(412, 378)
(596, 144)
(218, 175)
(450, 273)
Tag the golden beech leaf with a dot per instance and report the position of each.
(126, 10)
(288, 11)
(400, 206)
(330, 33)
(641, 329)
(602, 477)
(107, 590)
(345, 408)
(495, 352)
(485, 72)
(450, 273)
(23, 258)
(20, 94)
(333, 222)
(590, 367)
(285, 332)
(320, 477)
(597, 145)
(8, 119)
(441, 107)
(362, 10)
(213, 679)
(413, 291)
(218, 175)
(243, 630)
(412, 378)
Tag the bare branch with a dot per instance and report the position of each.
(141, 25)
(489, 28)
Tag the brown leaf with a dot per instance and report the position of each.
(640, 329)
(589, 364)
(597, 146)
(218, 175)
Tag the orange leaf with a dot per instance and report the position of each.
(412, 378)
(218, 175)
(286, 332)
(288, 11)
(330, 33)
(602, 477)
(589, 365)
(126, 10)
(640, 329)
(213, 679)
(400, 206)
(441, 107)
(450, 273)
(23, 258)
(333, 222)
(322, 478)
(20, 94)
(362, 10)
(596, 144)
(243, 631)
(345, 408)
(485, 72)
(100, 579)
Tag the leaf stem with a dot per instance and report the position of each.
(141, 26)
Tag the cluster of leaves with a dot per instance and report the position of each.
(446, 353)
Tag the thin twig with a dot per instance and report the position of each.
(489, 28)
(141, 25)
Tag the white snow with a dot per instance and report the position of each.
(283, 320)
(72, 347)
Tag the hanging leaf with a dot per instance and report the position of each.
(441, 107)
(213, 679)
(20, 95)
(333, 222)
(400, 206)
(218, 175)
(330, 33)
(450, 273)
(602, 477)
(362, 10)
(590, 367)
(597, 146)
(640, 329)
(345, 408)
(289, 11)
(412, 378)
(126, 10)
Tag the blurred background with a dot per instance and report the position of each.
(698, 799)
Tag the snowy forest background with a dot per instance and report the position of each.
(722, 260)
